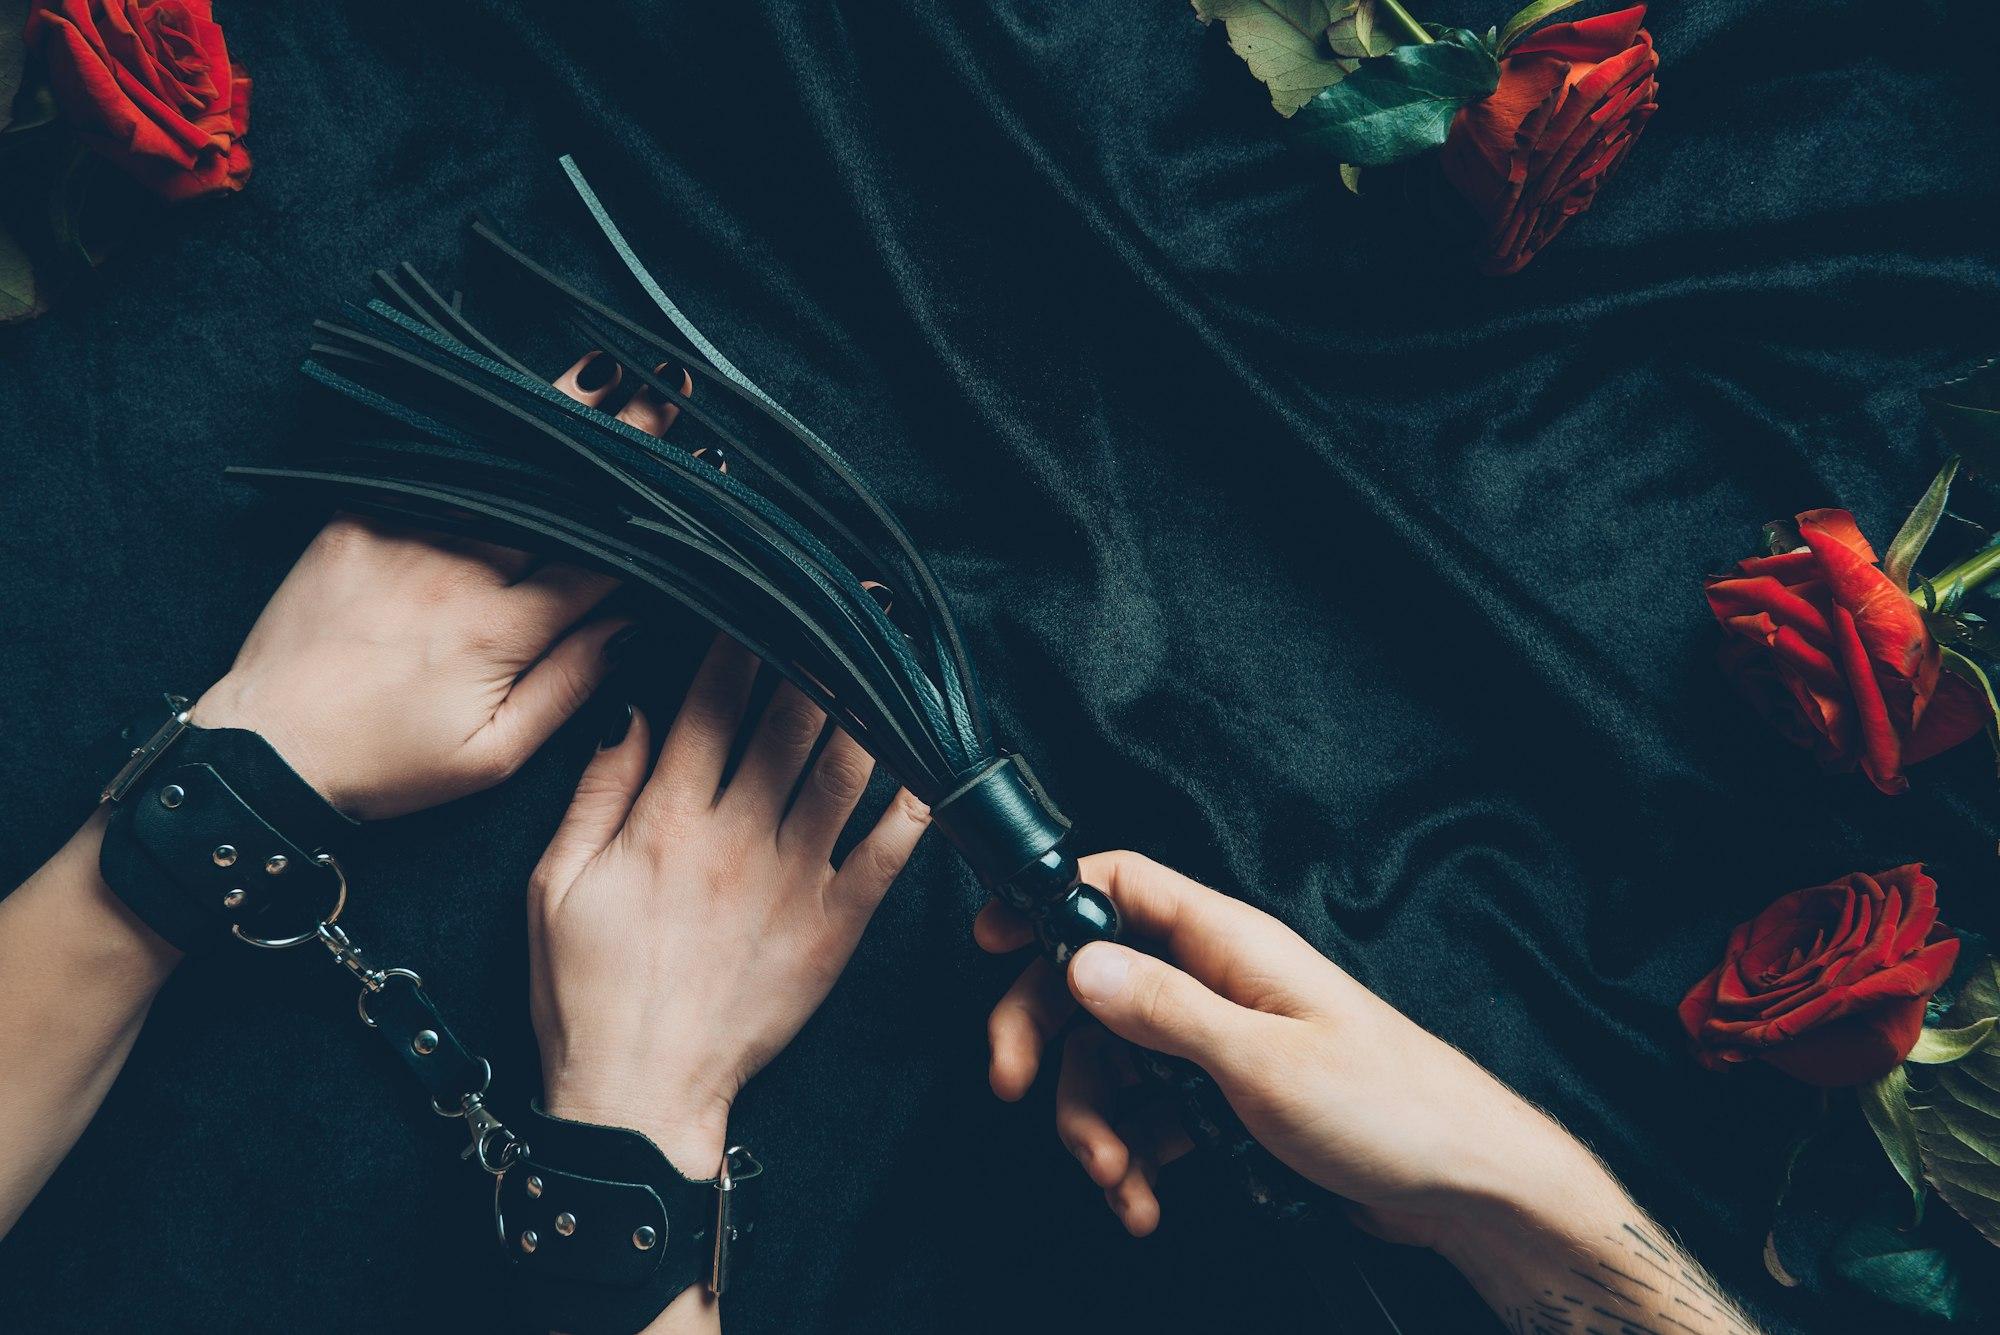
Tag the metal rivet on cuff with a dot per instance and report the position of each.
(534, 1186)
(643, 1237)
(425, 1043)
(171, 795)
(224, 855)
(233, 898)
(565, 1223)
(528, 1240)
(276, 863)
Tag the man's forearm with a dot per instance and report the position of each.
(77, 974)
(1582, 1258)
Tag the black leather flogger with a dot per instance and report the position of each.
(603, 1231)
(785, 547)
(213, 835)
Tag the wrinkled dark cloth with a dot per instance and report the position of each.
(1296, 557)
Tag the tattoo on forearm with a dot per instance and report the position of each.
(1639, 1284)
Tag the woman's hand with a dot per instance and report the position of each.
(681, 929)
(396, 670)
(1428, 1147)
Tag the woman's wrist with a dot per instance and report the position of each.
(235, 703)
(105, 948)
(690, 1126)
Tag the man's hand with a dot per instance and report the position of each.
(1429, 1148)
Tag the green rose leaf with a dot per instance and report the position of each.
(1355, 33)
(1966, 412)
(1885, 1102)
(1297, 47)
(1957, 1114)
(1395, 106)
(13, 55)
(1942, 1047)
(1889, 1263)
(20, 294)
(1917, 529)
(1518, 26)
(1959, 665)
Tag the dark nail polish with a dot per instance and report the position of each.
(621, 723)
(596, 372)
(620, 641)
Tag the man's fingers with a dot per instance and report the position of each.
(1084, 1094)
(1155, 1005)
(770, 767)
(827, 798)
(648, 411)
(1021, 1026)
(1221, 940)
(544, 697)
(689, 772)
(603, 798)
(1135, 1199)
(1000, 929)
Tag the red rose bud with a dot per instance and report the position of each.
(1829, 984)
(1530, 155)
(1831, 651)
(149, 86)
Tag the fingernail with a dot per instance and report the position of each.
(1099, 971)
(621, 639)
(621, 723)
(596, 372)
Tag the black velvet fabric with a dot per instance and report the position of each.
(1295, 556)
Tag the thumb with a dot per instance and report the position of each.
(1155, 1005)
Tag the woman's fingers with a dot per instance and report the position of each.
(556, 595)
(827, 798)
(689, 773)
(651, 412)
(872, 864)
(770, 767)
(1022, 1025)
(544, 697)
(592, 379)
(603, 799)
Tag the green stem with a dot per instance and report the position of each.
(1399, 21)
(1946, 587)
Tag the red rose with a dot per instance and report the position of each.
(1531, 154)
(1828, 984)
(1829, 649)
(148, 84)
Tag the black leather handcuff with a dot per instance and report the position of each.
(213, 838)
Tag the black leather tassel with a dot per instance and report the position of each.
(786, 552)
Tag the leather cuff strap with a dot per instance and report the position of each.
(211, 832)
(1000, 819)
(602, 1231)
